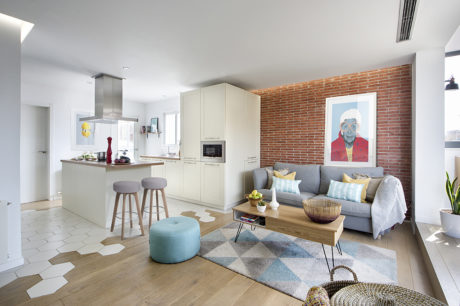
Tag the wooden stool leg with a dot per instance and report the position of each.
(123, 217)
(130, 211)
(150, 212)
(164, 202)
(144, 197)
(115, 208)
(158, 206)
(138, 211)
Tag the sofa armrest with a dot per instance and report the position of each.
(260, 178)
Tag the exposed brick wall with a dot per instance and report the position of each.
(293, 119)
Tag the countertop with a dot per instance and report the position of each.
(161, 157)
(135, 164)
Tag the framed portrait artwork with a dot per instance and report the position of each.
(82, 131)
(351, 131)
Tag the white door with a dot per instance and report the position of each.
(213, 112)
(192, 180)
(34, 153)
(190, 119)
(212, 184)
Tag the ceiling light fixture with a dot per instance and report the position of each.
(25, 26)
(452, 85)
(125, 67)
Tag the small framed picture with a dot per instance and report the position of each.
(154, 125)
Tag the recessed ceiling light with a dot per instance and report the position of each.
(125, 67)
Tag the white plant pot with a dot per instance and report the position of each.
(450, 223)
(261, 208)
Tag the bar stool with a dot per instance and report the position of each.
(154, 184)
(126, 188)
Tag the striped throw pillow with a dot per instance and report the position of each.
(345, 191)
(283, 185)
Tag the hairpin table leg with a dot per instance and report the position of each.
(239, 231)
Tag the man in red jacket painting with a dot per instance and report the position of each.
(349, 146)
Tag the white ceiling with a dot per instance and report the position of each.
(172, 46)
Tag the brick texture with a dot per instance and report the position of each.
(293, 119)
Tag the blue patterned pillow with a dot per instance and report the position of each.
(283, 185)
(345, 191)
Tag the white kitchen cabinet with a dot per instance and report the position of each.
(174, 176)
(192, 180)
(158, 171)
(190, 125)
(3, 232)
(213, 117)
(252, 115)
(249, 166)
(212, 184)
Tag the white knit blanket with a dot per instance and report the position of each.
(389, 206)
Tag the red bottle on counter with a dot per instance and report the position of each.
(109, 151)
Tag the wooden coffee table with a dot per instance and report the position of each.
(292, 221)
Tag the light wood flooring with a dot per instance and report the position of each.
(132, 278)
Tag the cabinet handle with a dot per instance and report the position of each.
(212, 138)
(190, 163)
(214, 165)
(252, 157)
(252, 162)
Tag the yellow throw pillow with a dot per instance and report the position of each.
(290, 176)
(365, 182)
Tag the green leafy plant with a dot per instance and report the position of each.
(453, 195)
(261, 203)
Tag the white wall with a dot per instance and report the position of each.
(10, 118)
(65, 90)
(154, 145)
(428, 135)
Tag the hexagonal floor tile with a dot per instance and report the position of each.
(41, 256)
(6, 278)
(33, 268)
(111, 249)
(51, 245)
(95, 238)
(33, 244)
(69, 247)
(76, 238)
(58, 237)
(57, 270)
(90, 248)
(47, 286)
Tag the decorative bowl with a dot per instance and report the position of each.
(322, 210)
(254, 201)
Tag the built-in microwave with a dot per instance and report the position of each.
(213, 151)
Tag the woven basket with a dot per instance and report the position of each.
(322, 210)
(254, 202)
(333, 286)
(381, 294)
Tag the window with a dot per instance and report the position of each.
(172, 129)
(126, 136)
(452, 104)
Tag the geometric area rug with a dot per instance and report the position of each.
(293, 265)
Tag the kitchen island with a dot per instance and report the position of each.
(87, 186)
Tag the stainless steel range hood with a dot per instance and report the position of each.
(108, 100)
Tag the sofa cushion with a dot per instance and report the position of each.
(345, 191)
(282, 185)
(308, 174)
(350, 208)
(329, 173)
(287, 198)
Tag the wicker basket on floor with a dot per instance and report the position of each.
(381, 294)
(333, 286)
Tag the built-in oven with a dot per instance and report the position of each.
(213, 151)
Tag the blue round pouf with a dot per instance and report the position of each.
(174, 239)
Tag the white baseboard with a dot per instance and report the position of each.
(12, 264)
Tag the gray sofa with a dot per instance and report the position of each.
(315, 184)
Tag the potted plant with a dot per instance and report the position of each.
(450, 218)
(261, 206)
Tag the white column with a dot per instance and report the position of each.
(428, 168)
(10, 89)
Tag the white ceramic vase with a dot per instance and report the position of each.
(274, 204)
(450, 223)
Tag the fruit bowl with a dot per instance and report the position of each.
(322, 210)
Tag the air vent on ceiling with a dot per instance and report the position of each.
(406, 19)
